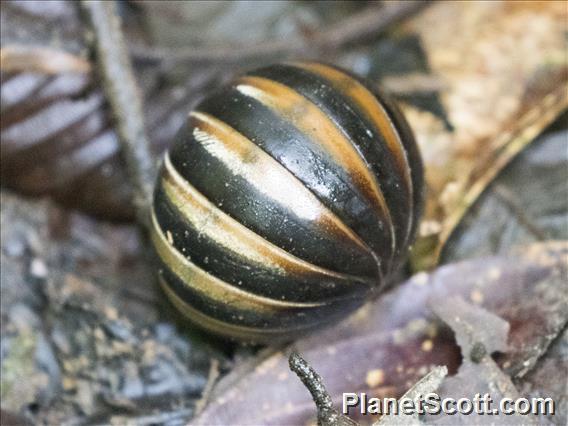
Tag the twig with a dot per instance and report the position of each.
(123, 95)
(327, 415)
(211, 380)
(508, 198)
(412, 83)
(362, 25)
(311, 380)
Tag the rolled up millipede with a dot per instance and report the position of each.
(288, 197)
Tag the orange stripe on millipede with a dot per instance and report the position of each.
(227, 232)
(313, 122)
(210, 286)
(244, 158)
(376, 113)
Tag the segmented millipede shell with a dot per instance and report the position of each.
(288, 197)
(57, 138)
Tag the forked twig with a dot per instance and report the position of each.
(211, 380)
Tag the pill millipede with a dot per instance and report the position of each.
(288, 197)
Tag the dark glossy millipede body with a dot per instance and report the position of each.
(288, 197)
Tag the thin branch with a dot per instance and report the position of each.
(123, 95)
(211, 380)
(311, 380)
(508, 198)
(360, 26)
(327, 415)
(412, 83)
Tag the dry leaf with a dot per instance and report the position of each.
(504, 69)
(400, 337)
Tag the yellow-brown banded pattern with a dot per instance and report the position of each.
(286, 199)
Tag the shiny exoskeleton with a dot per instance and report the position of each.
(288, 197)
